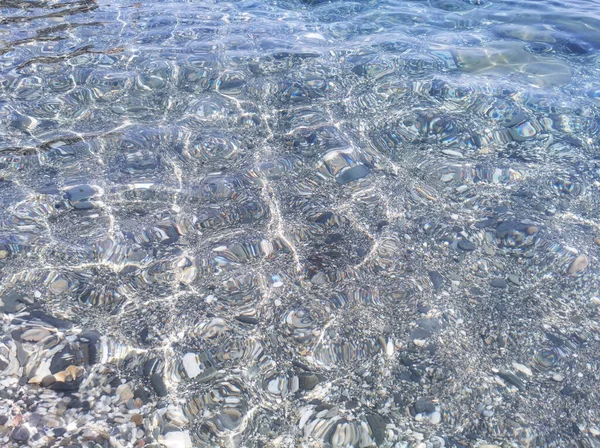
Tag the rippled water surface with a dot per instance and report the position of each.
(300, 223)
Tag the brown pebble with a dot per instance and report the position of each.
(532, 229)
(138, 403)
(137, 419)
(597, 241)
(578, 265)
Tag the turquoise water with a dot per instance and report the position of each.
(305, 223)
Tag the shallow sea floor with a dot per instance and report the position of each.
(299, 223)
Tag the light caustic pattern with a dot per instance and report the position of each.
(316, 223)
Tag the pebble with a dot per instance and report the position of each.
(466, 245)
(578, 265)
(499, 283)
(191, 365)
(557, 377)
(307, 381)
(124, 392)
(423, 405)
(522, 368)
(20, 434)
(435, 418)
(177, 439)
(514, 279)
(159, 385)
(436, 279)
(137, 419)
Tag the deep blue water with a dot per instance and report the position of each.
(300, 223)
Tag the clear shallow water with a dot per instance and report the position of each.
(302, 223)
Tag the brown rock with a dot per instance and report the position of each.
(578, 265)
(137, 419)
(532, 229)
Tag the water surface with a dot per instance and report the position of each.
(300, 223)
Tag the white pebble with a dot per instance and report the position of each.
(191, 365)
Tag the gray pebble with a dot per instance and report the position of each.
(466, 245)
(423, 405)
(514, 279)
(499, 283)
(20, 434)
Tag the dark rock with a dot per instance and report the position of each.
(500, 307)
(351, 404)
(58, 432)
(431, 325)
(247, 319)
(150, 366)
(48, 380)
(466, 245)
(422, 308)
(20, 434)
(142, 394)
(86, 406)
(307, 381)
(419, 333)
(511, 378)
(377, 425)
(423, 405)
(568, 390)
(436, 279)
(3, 420)
(143, 335)
(75, 403)
(67, 386)
(88, 347)
(159, 385)
(499, 283)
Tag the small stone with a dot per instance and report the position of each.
(48, 380)
(124, 392)
(159, 385)
(522, 368)
(377, 425)
(20, 434)
(499, 283)
(142, 394)
(511, 378)
(423, 405)
(436, 279)
(191, 365)
(307, 381)
(3, 420)
(578, 265)
(58, 432)
(557, 377)
(435, 418)
(514, 279)
(466, 245)
(177, 439)
(137, 419)
(531, 230)
(597, 241)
